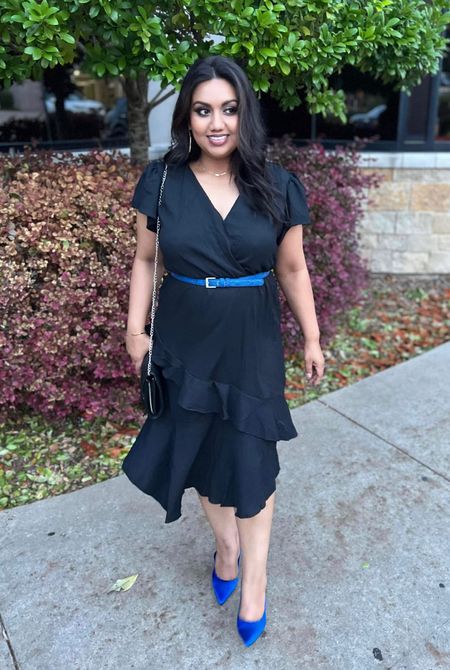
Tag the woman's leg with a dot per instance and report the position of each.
(223, 523)
(254, 536)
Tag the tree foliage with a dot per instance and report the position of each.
(285, 46)
(304, 42)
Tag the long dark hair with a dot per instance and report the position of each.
(248, 161)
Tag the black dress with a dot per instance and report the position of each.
(220, 349)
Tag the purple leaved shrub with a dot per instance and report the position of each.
(67, 244)
(337, 189)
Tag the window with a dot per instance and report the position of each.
(67, 110)
(442, 129)
(371, 107)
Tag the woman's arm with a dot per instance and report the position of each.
(293, 276)
(141, 288)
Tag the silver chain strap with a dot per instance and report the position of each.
(155, 274)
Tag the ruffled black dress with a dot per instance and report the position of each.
(220, 349)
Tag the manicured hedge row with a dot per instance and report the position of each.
(337, 190)
(66, 252)
(66, 256)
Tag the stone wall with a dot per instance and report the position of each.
(406, 226)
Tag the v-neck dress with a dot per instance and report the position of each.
(219, 349)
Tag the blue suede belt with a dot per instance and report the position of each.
(222, 282)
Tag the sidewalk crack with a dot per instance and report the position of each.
(386, 441)
(9, 645)
(419, 647)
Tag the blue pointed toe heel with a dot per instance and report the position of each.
(251, 630)
(223, 588)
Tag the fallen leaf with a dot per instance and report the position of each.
(114, 452)
(124, 431)
(88, 448)
(123, 584)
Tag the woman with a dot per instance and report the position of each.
(226, 212)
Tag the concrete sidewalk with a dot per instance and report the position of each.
(359, 569)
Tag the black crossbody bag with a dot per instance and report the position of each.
(152, 383)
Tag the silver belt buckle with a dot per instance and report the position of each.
(207, 282)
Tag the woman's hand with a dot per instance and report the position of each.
(137, 347)
(314, 362)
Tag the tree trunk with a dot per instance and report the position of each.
(138, 133)
(60, 117)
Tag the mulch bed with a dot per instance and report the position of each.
(399, 316)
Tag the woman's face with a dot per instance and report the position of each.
(214, 118)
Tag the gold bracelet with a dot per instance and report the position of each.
(141, 333)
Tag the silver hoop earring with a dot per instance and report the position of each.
(190, 141)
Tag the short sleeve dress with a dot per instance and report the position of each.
(219, 349)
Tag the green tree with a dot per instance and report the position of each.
(285, 46)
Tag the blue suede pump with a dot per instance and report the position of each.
(251, 630)
(223, 588)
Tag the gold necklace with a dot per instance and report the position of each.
(216, 174)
